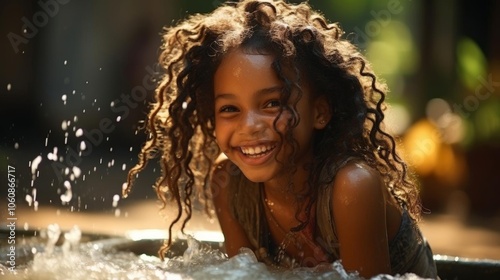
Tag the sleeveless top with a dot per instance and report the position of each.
(409, 251)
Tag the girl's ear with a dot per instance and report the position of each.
(322, 112)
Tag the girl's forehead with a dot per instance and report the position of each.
(238, 57)
(245, 56)
(241, 72)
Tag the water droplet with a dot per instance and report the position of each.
(65, 62)
(9, 87)
(35, 163)
(53, 155)
(29, 199)
(64, 125)
(116, 198)
(83, 146)
(77, 171)
(79, 132)
(118, 118)
(16, 145)
(124, 166)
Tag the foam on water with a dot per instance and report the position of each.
(94, 261)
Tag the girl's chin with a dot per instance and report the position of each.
(259, 176)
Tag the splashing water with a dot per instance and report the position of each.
(71, 240)
(95, 260)
(53, 233)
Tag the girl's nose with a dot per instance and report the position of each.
(251, 123)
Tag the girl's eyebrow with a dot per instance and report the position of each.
(259, 93)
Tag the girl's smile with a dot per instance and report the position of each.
(257, 154)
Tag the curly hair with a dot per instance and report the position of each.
(180, 124)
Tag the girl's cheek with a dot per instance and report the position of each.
(282, 123)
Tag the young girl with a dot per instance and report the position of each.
(271, 112)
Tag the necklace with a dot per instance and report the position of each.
(290, 236)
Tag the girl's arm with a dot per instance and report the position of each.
(234, 234)
(359, 212)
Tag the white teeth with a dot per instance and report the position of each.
(256, 150)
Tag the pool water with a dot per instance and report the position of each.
(103, 260)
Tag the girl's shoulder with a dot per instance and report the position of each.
(357, 181)
(356, 170)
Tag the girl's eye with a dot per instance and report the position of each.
(228, 109)
(273, 103)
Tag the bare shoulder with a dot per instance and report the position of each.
(355, 181)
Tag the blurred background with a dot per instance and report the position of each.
(76, 78)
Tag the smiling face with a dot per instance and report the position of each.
(247, 102)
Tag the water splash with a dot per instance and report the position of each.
(53, 233)
(71, 240)
(96, 260)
